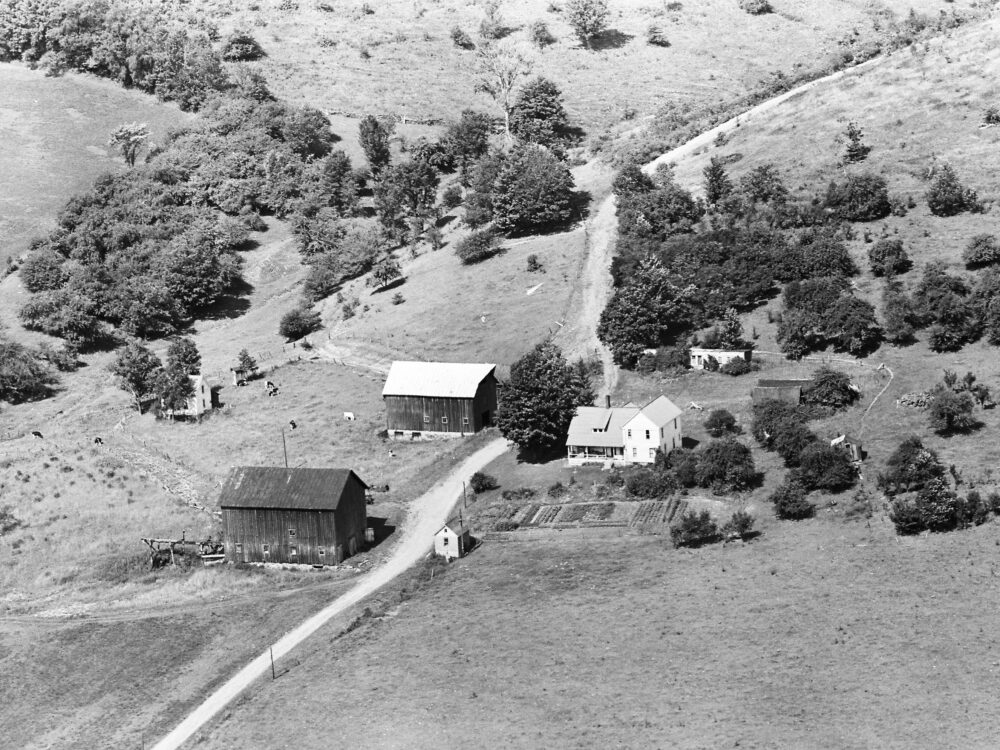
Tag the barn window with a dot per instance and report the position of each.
(321, 551)
(465, 421)
(291, 532)
(239, 548)
(444, 420)
(267, 548)
(293, 551)
(427, 418)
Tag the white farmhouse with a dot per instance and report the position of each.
(198, 403)
(623, 434)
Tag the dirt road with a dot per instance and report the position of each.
(428, 514)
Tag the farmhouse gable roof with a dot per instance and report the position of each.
(435, 379)
(278, 487)
(599, 427)
(660, 411)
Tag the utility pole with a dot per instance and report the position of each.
(284, 446)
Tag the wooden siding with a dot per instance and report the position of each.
(339, 533)
(407, 412)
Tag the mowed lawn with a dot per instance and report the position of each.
(55, 134)
(821, 633)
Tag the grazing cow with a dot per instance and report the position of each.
(36, 433)
(98, 441)
(292, 423)
(391, 454)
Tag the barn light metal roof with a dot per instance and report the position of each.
(435, 379)
(277, 487)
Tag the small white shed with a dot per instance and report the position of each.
(453, 540)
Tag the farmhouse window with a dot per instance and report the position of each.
(444, 420)
(675, 423)
(427, 418)
(445, 541)
(647, 434)
(630, 433)
(291, 532)
(293, 551)
(633, 453)
(661, 432)
(652, 452)
(239, 548)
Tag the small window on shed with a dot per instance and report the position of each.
(239, 548)
(321, 551)
(291, 532)
(427, 418)
(444, 420)
(293, 551)
(267, 548)
(465, 421)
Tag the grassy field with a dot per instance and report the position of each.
(55, 134)
(820, 634)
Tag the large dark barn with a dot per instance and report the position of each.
(307, 516)
(439, 398)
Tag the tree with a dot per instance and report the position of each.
(23, 375)
(947, 196)
(137, 370)
(888, 258)
(719, 422)
(770, 416)
(718, 186)
(726, 464)
(790, 502)
(899, 317)
(337, 183)
(500, 67)
(763, 184)
(174, 388)
(856, 148)
(659, 213)
(951, 412)
(246, 362)
(239, 47)
(910, 467)
(694, 529)
(538, 116)
(799, 332)
(405, 191)
(468, 139)
(852, 327)
(830, 388)
(43, 270)
(790, 440)
(539, 400)
(299, 322)
(825, 467)
(935, 508)
(588, 18)
(533, 191)
(374, 138)
(182, 354)
(387, 270)
(129, 140)
(630, 181)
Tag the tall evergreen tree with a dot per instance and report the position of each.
(374, 139)
(718, 186)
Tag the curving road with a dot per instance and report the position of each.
(429, 513)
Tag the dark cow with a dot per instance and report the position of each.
(36, 434)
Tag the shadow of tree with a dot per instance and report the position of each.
(610, 39)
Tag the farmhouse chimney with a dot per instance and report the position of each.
(607, 401)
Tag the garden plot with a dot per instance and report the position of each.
(606, 513)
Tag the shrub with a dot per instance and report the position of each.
(934, 508)
(910, 467)
(461, 38)
(533, 264)
(719, 422)
(650, 483)
(887, 257)
(862, 197)
(947, 196)
(755, 7)
(477, 246)
(694, 529)
(982, 250)
(992, 115)
(790, 502)
(790, 440)
(856, 149)
(951, 412)
(481, 482)
(539, 34)
(726, 464)
(740, 524)
(299, 322)
(588, 18)
(43, 270)
(684, 463)
(398, 298)
(533, 191)
(770, 416)
(556, 490)
(452, 197)
(824, 467)
(736, 367)
(23, 376)
(241, 47)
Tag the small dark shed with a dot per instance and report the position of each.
(306, 516)
(439, 398)
(789, 390)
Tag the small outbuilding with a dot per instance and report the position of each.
(701, 358)
(448, 399)
(453, 540)
(850, 445)
(787, 390)
(272, 514)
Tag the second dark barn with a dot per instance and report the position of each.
(306, 516)
(439, 398)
